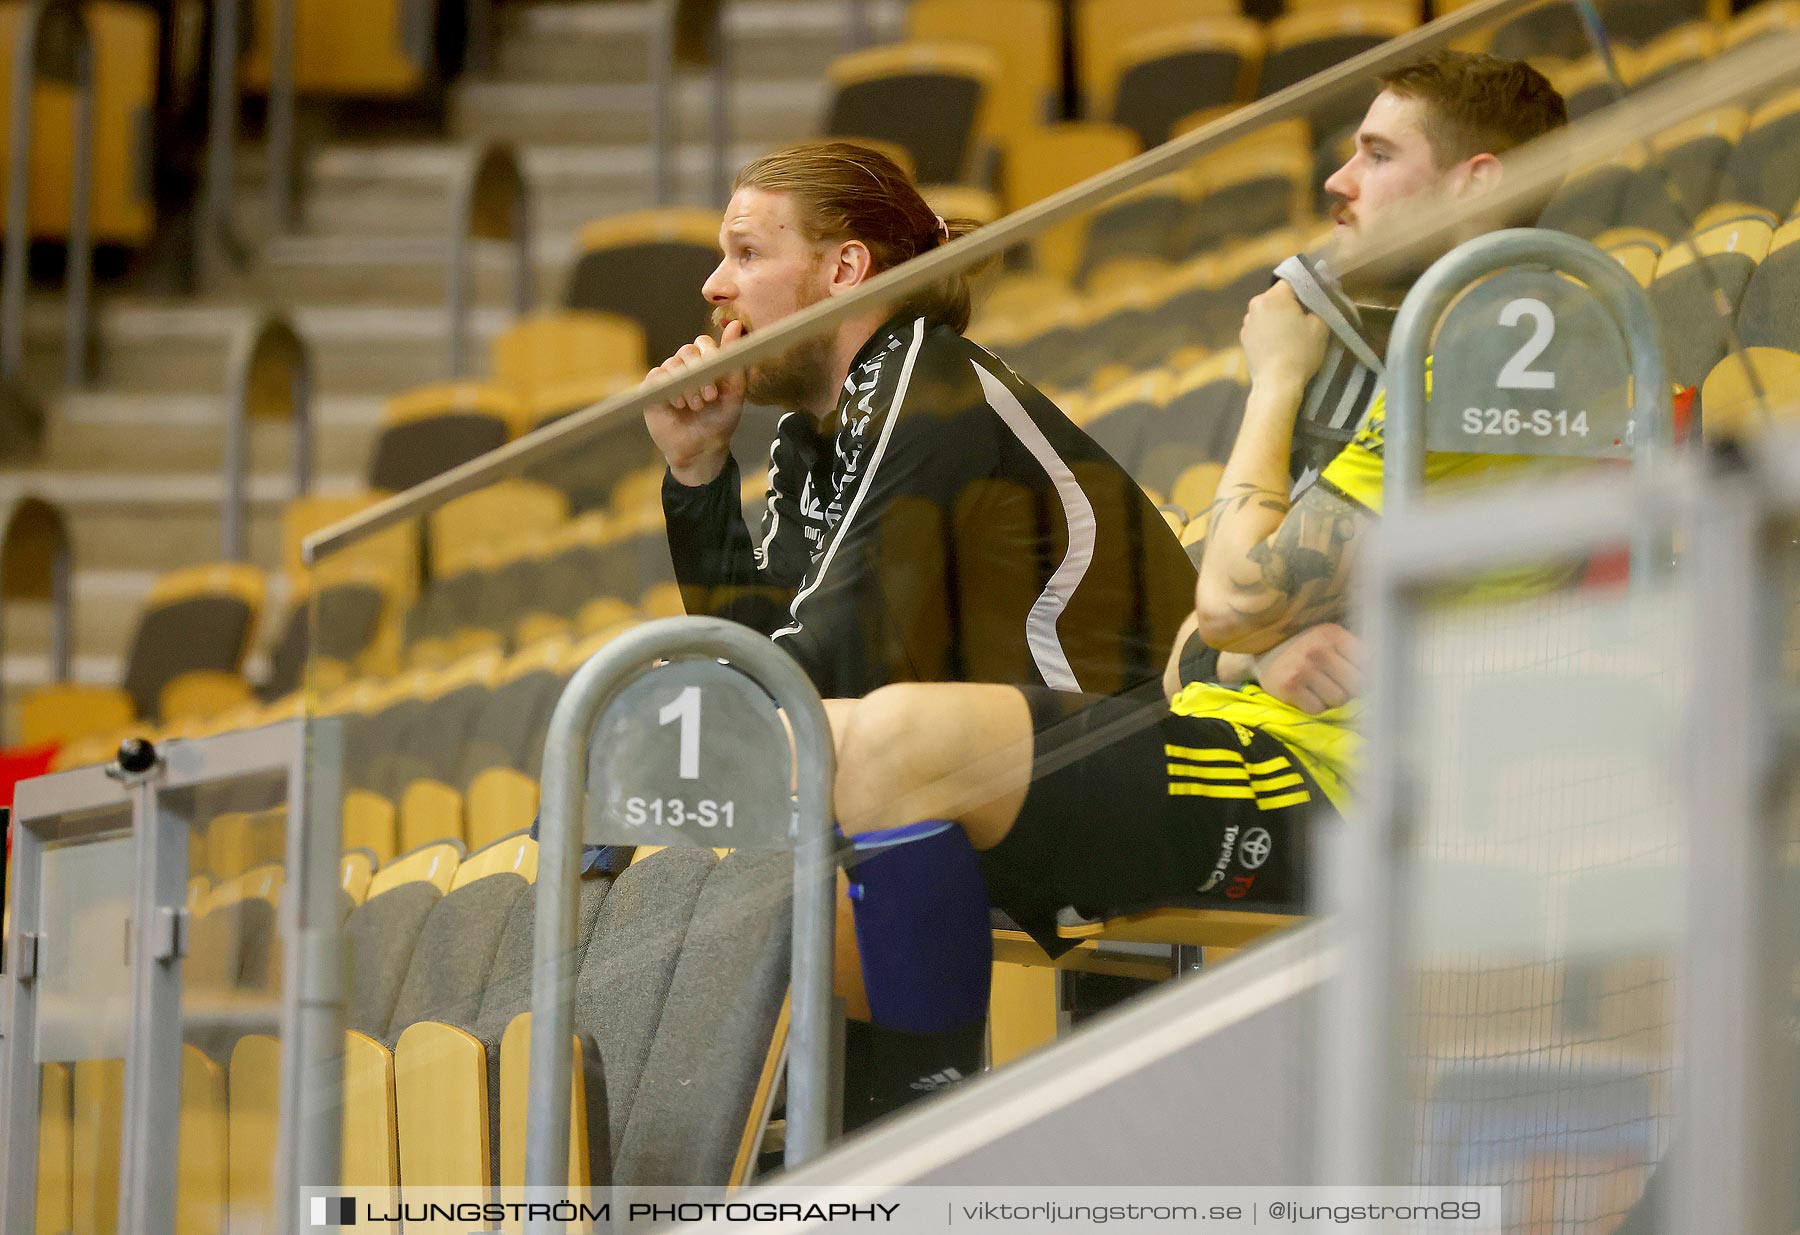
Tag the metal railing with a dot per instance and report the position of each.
(37, 563)
(490, 200)
(54, 45)
(594, 689)
(688, 33)
(270, 378)
(1736, 75)
(1373, 879)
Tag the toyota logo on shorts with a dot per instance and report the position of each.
(1254, 849)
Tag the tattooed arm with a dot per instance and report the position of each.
(1267, 571)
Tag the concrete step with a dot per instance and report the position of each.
(177, 347)
(610, 42)
(337, 269)
(376, 192)
(158, 522)
(776, 111)
(127, 431)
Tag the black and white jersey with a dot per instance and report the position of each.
(946, 523)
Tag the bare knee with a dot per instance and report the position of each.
(879, 756)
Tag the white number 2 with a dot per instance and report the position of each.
(1517, 374)
(685, 708)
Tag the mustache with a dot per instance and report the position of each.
(722, 317)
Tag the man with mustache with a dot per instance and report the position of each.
(930, 516)
(958, 797)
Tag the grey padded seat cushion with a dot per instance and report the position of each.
(688, 1115)
(1770, 314)
(378, 946)
(508, 993)
(232, 952)
(631, 960)
(455, 951)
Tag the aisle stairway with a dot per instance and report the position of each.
(134, 459)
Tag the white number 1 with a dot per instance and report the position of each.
(685, 707)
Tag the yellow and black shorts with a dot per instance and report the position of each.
(1133, 807)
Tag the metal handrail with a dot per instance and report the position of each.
(895, 285)
(71, 62)
(572, 724)
(271, 374)
(38, 563)
(489, 201)
(279, 146)
(217, 244)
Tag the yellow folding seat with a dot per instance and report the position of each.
(1026, 37)
(555, 349)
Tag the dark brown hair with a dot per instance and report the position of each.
(843, 191)
(1478, 104)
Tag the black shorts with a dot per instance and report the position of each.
(1132, 807)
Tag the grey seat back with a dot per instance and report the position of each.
(454, 953)
(630, 963)
(707, 1054)
(378, 945)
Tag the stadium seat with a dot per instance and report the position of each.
(1194, 489)
(1672, 52)
(70, 711)
(125, 49)
(1136, 225)
(648, 266)
(1197, 421)
(342, 49)
(587, 1127)
(371, 1136)
(1119, 418)
(1311, 41)
(1102, 28)
(1762, 170)
(380, 933)
(198, 618)
(330, 631)
(1761, 20)
(926, 97)
(253, 1122)
(1692, 295)
(434, 428)
(1588, 85)
(390, 555)
(356, 870)
(1246, 189)
(1638, 254)
(239, 841)
(1159, 77)
(1682, 178)
(1769, 329)
(1050, 159)
(55, 1147)
(1555, 30)
(201, 1184)
(1025, 35)
(1588, 203)
(547, 353)
(492, 521)
(96, 1128)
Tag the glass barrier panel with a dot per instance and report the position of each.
(231, 997)
(83, 1017)
(1548, 891)
(444, 642)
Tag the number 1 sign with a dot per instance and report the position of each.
(692, 752)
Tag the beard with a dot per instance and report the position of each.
(797, 379)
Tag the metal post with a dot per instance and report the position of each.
(269, 359)
(78, 270)
(312, 1009)
(27, 56)
(489, 201)
(215, 245)
(1732, 1164)
(153, 1052)
(721, 104)
(663, 14)
(280, 145)
(18, 1051)
(564, 792)
(856, 25)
